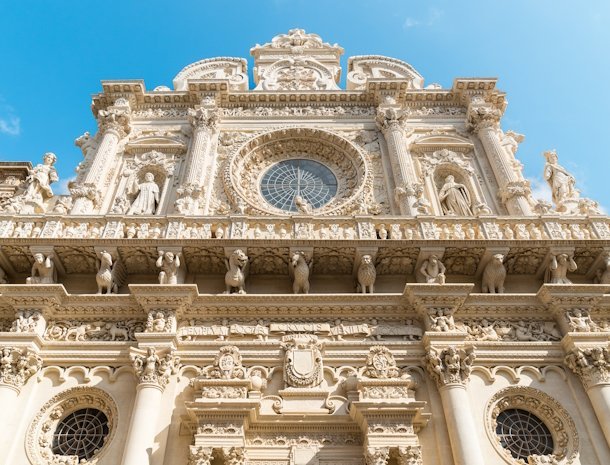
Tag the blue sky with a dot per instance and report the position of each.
(551, 57)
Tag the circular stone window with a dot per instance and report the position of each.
(75, 426)
(289, 179)
(82, 433)
(523, 433)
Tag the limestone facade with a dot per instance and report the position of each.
(291, 273)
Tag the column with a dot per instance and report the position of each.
(197, 176)
(514, 189)
(389, 120)
(114, 124)
(592, 365)
(16, 367)
(153, 370)
(450, 369)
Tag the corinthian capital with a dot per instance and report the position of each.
(450, 365)
(234, 455)
(591, 364)
(515, 189)
(482, 115)
(377, 455)
(115, 119)
(87, 191)
(409, 455)
(390, 118)
(203, 117)
(199, 455)
(17, 366)
(150, 368)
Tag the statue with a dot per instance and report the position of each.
(443, 321)
(302, 205)
(559, 179)
(169, 264)
(580, 321)
(455, 198)
(421, 205)
(557, 270)
(3, 278)
(433, 270)
(494, 275)
(237, 270)
(298, 268)
(366, 275)
(110, 275)
(148, 197)
(43, 270)
(38, 182)
(603, 276)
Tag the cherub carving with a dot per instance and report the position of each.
(433, 270)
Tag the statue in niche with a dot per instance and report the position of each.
(557, 270)
(147, 199)
(559, 179)
(43, 270)
(302, 205)
(169, 264)
(455, 198)
(433, 270)
(38, 182)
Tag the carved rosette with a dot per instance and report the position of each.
(303, 366)
(377, 455)
(153, 369)
(17, 366)
(591, 364)
(450, 365)
(199, 455)
(380, 363)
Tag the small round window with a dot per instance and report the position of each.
(289, 179)
(523, 434)
(81, 433)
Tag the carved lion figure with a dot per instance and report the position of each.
(237, 270)
(366, 275)
(494, 275)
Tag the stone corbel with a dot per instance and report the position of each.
(47, 250)
(563, 299)
(177, 251)
(553, 250)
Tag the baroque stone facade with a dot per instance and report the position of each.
(288, 272)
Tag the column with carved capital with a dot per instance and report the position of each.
(450, 369)
(592, 365)
(153, 370)
(484, 120)
(16, 367)
(114, 125)
(197, 176)
(389, 120)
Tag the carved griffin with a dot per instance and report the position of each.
(237, 271)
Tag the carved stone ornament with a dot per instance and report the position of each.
(80, 331)
(433, 270)
(237, 270)
(302, 361)
(169, 263)
(450, 365)
(234, 70)
(297, 74)
(549, 410)
(203, 117)
(558, 268)
(227, 364)
(39, 437)
(17, 366)
(87, 191)
(233, 455)
(380, 363)
(27, 321)
(363, 68)
(200, 455)
(150, 368)
(494, 275)
(367, 274)
(116, 119)
(542, 460)
(409, 455)
(160, 321)
(297, 40)
(580, 321)
(377, 455)
(299, 269)
(43, 270)
(441, 320)
(591, 364)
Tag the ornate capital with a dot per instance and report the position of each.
(234, 455)
(377, 455)
(450, 366)
(380, 363)
(150, 368)
(390, 119)
(409, 455)
(483, 116)
(591, 364)
(17, 366)
(86, 191)
(515, 189)
(200, 455)
(203, 117)
(115, 119)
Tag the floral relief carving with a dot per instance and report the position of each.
(380, 363)
(591, 364)
(17, 366)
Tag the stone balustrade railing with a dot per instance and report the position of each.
(306, 227)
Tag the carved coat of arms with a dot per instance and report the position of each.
(302, 361)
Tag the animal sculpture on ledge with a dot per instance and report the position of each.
(237, 271)
(299, 268)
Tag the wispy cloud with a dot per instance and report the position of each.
(10, 125)
(541, 190)
(434, 14)
(61, 188)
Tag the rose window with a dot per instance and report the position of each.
(288, 179)
(81, 433)
(523, 434)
